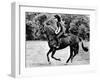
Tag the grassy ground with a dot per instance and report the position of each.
(36, 55)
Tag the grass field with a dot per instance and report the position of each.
(36, 52)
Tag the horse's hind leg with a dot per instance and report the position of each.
(52, 55)
(48, 55)
(71, 54)
(76, 49)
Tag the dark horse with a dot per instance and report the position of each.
(70, 40)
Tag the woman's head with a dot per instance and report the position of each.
(58, 18)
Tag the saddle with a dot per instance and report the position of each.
(59, 40)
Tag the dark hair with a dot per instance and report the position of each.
(58, 18)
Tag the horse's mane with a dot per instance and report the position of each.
(50, 31)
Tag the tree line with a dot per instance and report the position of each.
(73, 23)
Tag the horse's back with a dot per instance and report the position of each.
(70, 39)
(74, 39)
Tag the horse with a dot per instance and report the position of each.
(70, 40)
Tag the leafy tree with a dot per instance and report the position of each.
(75, 24)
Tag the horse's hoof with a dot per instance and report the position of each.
(49, 62)
(65, 64)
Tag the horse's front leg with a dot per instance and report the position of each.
(48, 56)
(52, 55)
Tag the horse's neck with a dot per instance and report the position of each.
(49, 30)
(50, 33)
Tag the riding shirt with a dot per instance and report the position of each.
(60, 30)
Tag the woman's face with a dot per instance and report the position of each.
(55, 19)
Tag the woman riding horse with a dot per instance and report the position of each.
(60, 31)
(70, 40)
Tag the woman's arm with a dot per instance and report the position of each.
(57, 31)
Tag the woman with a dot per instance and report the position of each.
(60, 31)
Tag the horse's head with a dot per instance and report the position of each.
(46, 25)
(40, 19)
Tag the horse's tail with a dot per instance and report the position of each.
(84, 48)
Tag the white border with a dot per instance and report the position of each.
(20, 69)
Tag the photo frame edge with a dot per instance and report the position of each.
(15, 44)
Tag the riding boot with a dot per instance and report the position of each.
(58, 44)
